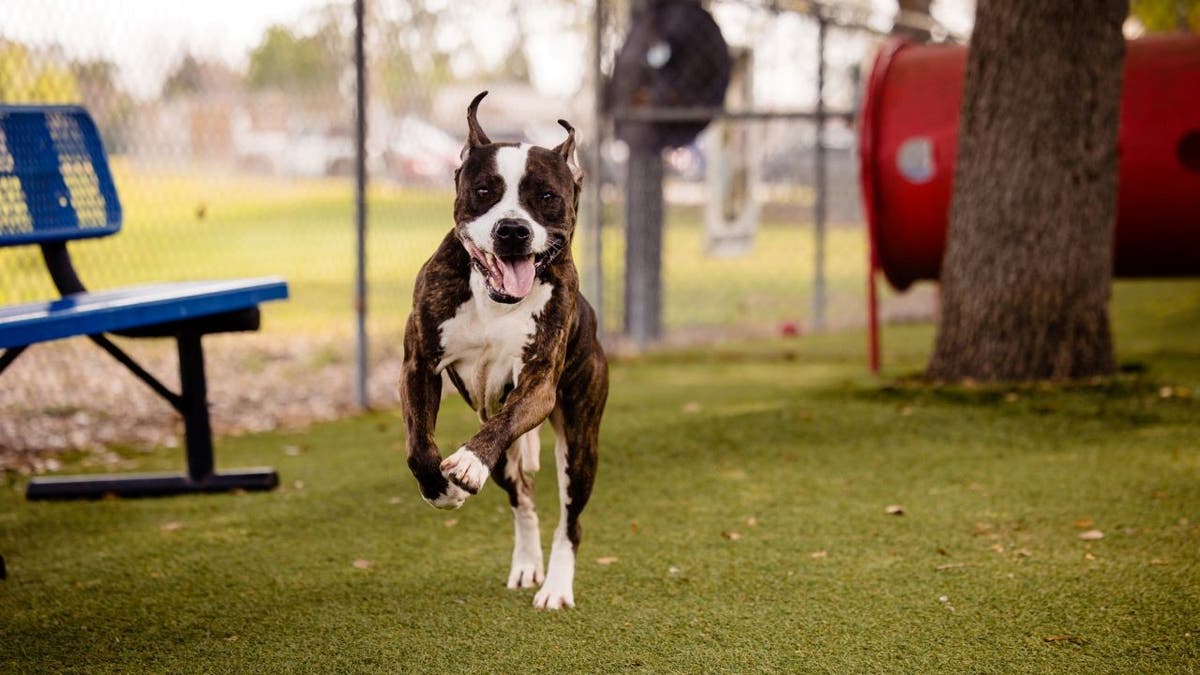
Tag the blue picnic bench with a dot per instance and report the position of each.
(56, 187)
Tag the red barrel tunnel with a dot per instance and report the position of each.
(908, 140)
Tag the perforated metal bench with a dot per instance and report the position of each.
(55, 187)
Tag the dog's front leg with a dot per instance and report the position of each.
(420, 398)
(526, 407)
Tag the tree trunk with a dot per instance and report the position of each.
(1028, 266)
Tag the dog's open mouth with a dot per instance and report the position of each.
(509, 278)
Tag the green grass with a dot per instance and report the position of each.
(197, 226)
(985, 571)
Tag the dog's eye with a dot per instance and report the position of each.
(482, 191)
(548, 196)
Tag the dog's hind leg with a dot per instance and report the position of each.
(514, 472)
(576, 434)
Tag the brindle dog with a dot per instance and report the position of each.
(497, 312)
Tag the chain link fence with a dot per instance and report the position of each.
(230, 128)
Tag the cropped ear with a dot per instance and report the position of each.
(567, 150)
(475, 135)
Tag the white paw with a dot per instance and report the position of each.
(452, 498)
(554, 595)
(465, 469)
(527, 570)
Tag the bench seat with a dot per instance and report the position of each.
(113, 310)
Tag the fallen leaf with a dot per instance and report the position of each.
(231, 638)
(450, 522)
(1091, 535)
(606, 560)
(752, 521)
(171, 526)
(363, 564)
(690, 408)
(1012, 397)
(981, 529)
(819, 554)
(1157, 562)
(942, 551)
(998, 548)
(1166, 392)
(950, 566)
(672, 570)
(1084, 523)
(298, 484)
(894, 510)
(731, 536)
(1073, 639)
(395, 500)
(292, 450)
(1023, 552)
(905, 410)
(1089, 556)
(635, 528)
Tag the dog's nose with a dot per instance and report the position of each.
(512, 231)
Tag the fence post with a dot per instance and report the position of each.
(594, 242)
(360, 209)
(643, 245)
(819, 186)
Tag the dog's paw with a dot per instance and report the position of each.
(527, 570)
(554, 595)
(465, 469)
(449, 500)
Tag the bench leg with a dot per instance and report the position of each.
(192, 403)
(197, 430)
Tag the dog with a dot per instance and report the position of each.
(497, 314)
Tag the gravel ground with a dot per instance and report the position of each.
(71, 396)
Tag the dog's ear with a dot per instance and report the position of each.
(475, 135)
(567, 150)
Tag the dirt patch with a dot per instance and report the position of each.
(71, 396)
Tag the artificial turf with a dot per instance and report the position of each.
(738, 525)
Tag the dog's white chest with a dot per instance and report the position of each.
(484, 342)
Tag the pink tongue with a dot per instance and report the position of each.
(517, 275)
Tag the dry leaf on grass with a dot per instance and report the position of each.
(1091, 535)
(1073, 639)
(450, 522)
(170, 526)
(951, 566)
(894, 510)
(690, 408)
(819, 554)
(1084, 523)
(292, 450)
(361, 564)
(1156, 562)
(752, 521)
(606, 560)
(731, 535)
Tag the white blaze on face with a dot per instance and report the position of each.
(510, 164)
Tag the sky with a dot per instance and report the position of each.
(146, 38)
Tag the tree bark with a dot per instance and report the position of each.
(1028, 267)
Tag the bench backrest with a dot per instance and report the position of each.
(55, 183)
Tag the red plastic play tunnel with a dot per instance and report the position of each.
(909, 137)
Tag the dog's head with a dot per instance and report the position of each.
(515, 207)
